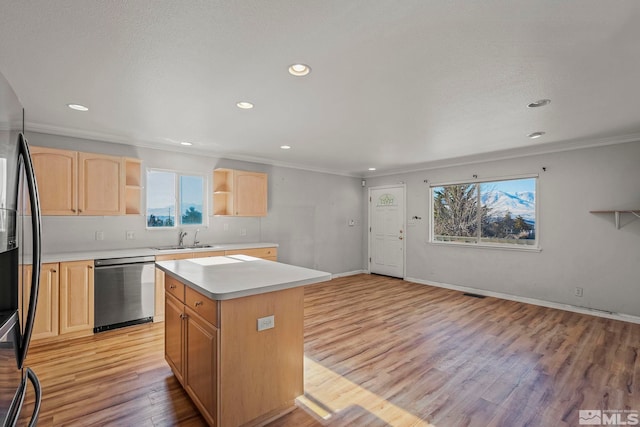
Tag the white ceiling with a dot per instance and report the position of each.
(395, 85)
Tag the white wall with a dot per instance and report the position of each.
(579, 249)
(308, 212)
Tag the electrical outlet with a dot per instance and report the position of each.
(99, 235)
(243, 231)
(131, 235)
(578, 291)
(268, 322)
(225, 227)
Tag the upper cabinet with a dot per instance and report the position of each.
(239, 193)
(57, 176)
(76, 183)
(100, 184)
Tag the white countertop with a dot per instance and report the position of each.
(234, 276)
(123, 253)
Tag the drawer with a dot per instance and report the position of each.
(169, 257)
(174, 287)
(266, 253)
(205, 307)
(207, 254)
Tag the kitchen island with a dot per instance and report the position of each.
(234, 335)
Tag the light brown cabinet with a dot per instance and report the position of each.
(65, 299)
(76, 297)
(77, 183)
(100, 184)
(239, 193)
(191, 345)
(57, 176)
(235, 374)
(46, 321)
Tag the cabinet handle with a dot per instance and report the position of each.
(183, 316)
(73, 210)
(90, 267)
(172, 286)
(80, 210)
(53, 270)
(197, 303)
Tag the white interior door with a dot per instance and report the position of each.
(387, 231)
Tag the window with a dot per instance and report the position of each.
(486, 213)
(175, 199)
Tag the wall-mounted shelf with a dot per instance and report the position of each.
(617, 213)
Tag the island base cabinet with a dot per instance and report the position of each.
(201, 365)
(174, 336)
(235, 374)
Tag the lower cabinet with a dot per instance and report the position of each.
(76, 297)
(201, 351)
(45, 324)
(235, 374)
(65, 299)
(191, 346)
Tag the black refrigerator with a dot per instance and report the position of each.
(19, 254)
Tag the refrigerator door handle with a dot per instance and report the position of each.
(38, 391)
(36, 236)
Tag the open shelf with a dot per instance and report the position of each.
(617, 213)
(133, 186)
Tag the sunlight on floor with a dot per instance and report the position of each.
(351, 397)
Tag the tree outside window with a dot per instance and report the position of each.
(494, 212)
(169, 193)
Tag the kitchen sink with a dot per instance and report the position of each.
(176, 247)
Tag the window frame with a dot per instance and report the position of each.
(177, 199)
(535, 247)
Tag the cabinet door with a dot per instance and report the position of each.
(57, 176)
(250, 191)
(46, 320)
(174, 335)
(76, 297)
(101, 185)
(201, 364)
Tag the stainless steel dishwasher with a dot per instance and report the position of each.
(124, 292)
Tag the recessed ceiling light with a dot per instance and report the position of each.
(77, 107)
(535, 135)
(539, 103)
(285, 147)
(186, 143)
(245, 105)
(372, 169)
(299, 70)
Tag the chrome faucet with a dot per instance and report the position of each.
(181, 238)
(195, 237)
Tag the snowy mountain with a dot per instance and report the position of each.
(520, 203)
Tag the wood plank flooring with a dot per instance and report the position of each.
(378, 352)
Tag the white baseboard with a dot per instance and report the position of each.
(348, 273)
(567, 307)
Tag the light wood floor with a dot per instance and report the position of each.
(378, 352)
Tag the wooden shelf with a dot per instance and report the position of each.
(617, 213)
(133, 186)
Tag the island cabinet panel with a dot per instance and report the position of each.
(174, 287)
(174, 335)
(235, 374)
(201, 345)
(202, 305)
(261, 372)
